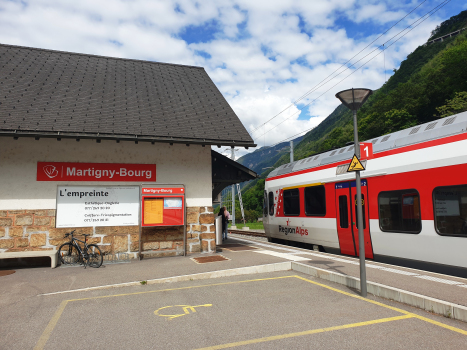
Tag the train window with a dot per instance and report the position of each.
(265, 204)
(271, 204)
(291, 202)
(315, 201)
(363, 211)
(343, 212)
(399, 211)
(450, 209)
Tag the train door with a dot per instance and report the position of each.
(347, 230)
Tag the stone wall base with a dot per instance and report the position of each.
(24, 230)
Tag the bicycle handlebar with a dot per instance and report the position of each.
(70, 233)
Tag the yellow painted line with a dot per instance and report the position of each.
(356, 296)
(454, 329)
(298, 334)
(53, 322)
(301, 186)
(50, 327)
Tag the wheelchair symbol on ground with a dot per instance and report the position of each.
(180, 308)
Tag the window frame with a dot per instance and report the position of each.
(299, 204)
(304, 197)
(265, 203)
(434, 212)
(408, 190)
(341, 212)
(271, 205)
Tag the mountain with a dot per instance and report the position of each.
(430, 84)
(265, 157)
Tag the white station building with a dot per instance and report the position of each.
(82, 136)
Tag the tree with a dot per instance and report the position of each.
(398, 119)
(457, 105)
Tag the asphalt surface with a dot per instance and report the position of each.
(443, 287)
(273, 310)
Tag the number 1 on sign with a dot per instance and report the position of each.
(366, 150)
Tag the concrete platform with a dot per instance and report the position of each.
(51, 294)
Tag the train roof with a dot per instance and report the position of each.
(452, 125)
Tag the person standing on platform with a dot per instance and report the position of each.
(227, 218)
(222, 213)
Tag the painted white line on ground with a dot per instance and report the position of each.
(440, 280)
(282, 266)
(282, 255)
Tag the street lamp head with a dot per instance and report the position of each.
(354, 98)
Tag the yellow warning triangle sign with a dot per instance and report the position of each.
(355, 165)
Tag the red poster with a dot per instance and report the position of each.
(58, 171)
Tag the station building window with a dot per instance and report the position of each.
(271, 204)
(399, 211)
(292, 202)
(450, 210)
(315, 201)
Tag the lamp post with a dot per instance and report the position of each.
(233, 193)
(354, 99)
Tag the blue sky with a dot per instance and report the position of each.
(269, 58)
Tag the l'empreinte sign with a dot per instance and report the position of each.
(87, 206)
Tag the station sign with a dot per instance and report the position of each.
(92, 172)
(87, 206)
(162, 205)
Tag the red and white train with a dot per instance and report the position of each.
(414, 190)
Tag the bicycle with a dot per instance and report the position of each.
(71, 253)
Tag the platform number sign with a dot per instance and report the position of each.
(366, 150)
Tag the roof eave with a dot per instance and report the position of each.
(133, 138)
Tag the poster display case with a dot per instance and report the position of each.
(163, 205)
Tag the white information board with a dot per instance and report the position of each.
(86, 206)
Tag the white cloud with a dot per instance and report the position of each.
(263, 54)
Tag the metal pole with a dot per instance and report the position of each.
(361, 239)
(140, 235)
(291, 151)
(184, 224)
(233, 193)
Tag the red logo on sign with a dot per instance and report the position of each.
(50, 171)
(55, 171)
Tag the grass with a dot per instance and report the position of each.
(251, 225)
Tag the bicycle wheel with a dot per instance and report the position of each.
(94, 256)
(68, 254)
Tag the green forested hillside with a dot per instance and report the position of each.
(431, 83)
(265, 157)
